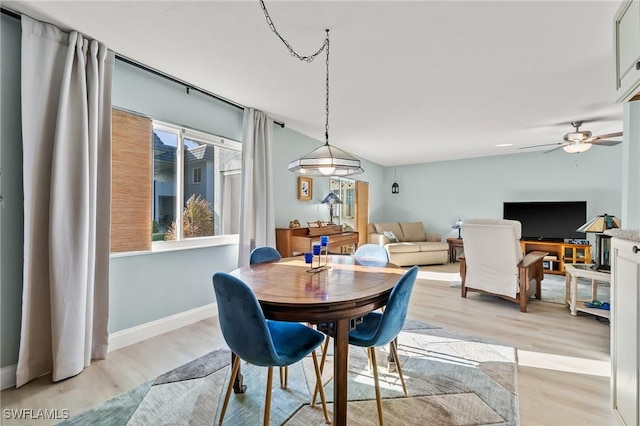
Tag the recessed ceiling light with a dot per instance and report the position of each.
(502, 145)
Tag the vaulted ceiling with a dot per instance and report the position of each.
(410, 82)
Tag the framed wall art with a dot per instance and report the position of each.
(305, 188)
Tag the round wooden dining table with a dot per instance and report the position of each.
(340, 295)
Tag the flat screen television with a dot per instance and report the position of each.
(548, 220)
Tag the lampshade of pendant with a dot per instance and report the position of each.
(326, 160)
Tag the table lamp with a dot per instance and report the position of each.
(458, 226)
(598, 225)
(331, 199)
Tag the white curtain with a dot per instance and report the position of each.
(257, 216)
(66, 135)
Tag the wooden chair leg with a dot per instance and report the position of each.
(284, 377)
(523, 291)
(325, 348)
(234, 372)
(463, 276)
(372, 355)
(394, 349)
(267, 398)
(319, 387)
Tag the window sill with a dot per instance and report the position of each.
(191, 243)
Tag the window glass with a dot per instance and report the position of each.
(165, 144)
(202, 171)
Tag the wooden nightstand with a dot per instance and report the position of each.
(454, 245)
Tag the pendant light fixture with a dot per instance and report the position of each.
(395, 188)
(326, 160)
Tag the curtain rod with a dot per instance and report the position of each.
(160, 74)
(184, 83)
(10, 13)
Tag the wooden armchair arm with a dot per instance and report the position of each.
(530, 268)
(533, 257)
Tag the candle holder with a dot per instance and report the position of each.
(317, 251)
(324, 242)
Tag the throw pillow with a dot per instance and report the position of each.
(391, 236)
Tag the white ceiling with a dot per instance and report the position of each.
(411, 82)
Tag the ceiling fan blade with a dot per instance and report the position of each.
(554, 149)
(598, 137)
(605, 142)
(546, 144)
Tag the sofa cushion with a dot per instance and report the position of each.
(402, 248)
(390, 226)
(431, 246)
(413, 231)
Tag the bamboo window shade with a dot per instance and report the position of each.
(131, 192)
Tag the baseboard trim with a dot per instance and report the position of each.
(120, 339)
(133, 335)
(8, 377)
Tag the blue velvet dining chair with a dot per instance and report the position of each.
(259, 341)
(267, 254)
(378, 329)
(372, 252)
(263, 255)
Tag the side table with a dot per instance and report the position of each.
(575, 271)
(454, 245)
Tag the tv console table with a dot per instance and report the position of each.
(559, 254)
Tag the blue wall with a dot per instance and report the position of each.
(442, 192)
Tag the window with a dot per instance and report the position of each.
(197, 174)
(210, 201)
(170, 183)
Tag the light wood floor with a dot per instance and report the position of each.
(563, 367)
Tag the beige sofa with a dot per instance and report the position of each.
(414, 246)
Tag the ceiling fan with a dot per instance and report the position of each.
(580, 141)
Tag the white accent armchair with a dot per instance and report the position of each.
(493, 261)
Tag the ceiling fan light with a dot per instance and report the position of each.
(577, 148)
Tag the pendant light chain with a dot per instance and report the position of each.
(326, 123)
(326, 160)
(307, 59)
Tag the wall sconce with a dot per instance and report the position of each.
(395, 188)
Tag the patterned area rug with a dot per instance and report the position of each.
(452, 379)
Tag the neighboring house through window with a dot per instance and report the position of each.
(197, 174)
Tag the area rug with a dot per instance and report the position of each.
(554, 289)
(553, 286)
(452, 379)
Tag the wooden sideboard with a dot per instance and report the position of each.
(559, 254)
(292, 241)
